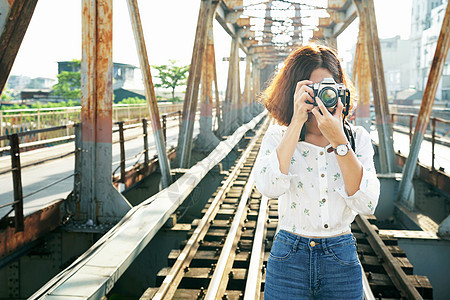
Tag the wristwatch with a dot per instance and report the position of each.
(342, 149)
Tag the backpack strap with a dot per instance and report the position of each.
(350, 134)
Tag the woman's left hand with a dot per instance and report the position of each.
(330, 124)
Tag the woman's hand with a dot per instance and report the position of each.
(330, 124)
(302, 94)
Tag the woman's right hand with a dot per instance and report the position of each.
(301, 108)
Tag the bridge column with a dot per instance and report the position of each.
(360, 76)
(99, 200)
(247, 99)
(184, 147)
(366, 11)
(232, 93)
(429, 95)
(206, 140)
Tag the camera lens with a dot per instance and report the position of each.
(328, 97)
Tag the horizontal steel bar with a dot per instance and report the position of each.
(24, 133)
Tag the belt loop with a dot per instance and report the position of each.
(325, 246)
(297, 240)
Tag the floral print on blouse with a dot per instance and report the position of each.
(312, 199)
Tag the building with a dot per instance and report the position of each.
(126, 81)
(396, 55)
(426, 23)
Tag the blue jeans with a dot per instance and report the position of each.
(309, 268)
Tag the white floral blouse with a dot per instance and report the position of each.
(312, 199)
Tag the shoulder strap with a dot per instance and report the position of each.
(350, 134)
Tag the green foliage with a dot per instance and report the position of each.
(132, 100)
(39, 105)
(69, 83)
(171, 76)
(6, 94)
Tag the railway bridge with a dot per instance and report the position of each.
(94, 204)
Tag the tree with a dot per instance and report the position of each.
(69, 83)
(171, 75)
(6, 95)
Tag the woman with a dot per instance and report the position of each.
(319, 190)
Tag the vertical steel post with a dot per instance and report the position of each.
(433, 141)
(228, 103)
(247, 90)
(146, 160)
(164, 124)
(191, 98)
(411, 118)
(99, 201)
(17, 182)
(361, 73)
(218, 107)
(206, 140)
(366, 11)
(429, 95)
(166, 177)
(122, 152)
(236, 101)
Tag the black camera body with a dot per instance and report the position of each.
(330, 92)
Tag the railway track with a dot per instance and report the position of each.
(227, 250)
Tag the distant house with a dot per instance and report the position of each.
(34, 94)
(125, 82)
(408, 97)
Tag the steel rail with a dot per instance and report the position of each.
(367, 291)
(218, 284)
(253, 284)
(172, 280)
(393, 269)
(24, 133)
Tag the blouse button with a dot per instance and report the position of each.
(321, 152)
(322, 175)
(326, 225)
(324, 200)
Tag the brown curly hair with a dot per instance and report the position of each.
(278, 97)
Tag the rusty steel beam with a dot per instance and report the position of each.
(36, 225)
(361, 76)
(17, 19)
(184, 146)
(99, 200)
(206, 140)
(152, 104)
(218, 107)
(247, 91)
(366, 11)
(405, 190)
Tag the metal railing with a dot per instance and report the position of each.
(122, 127)
(26, 120)
(433, 124)
(16, 170)
(14, 148)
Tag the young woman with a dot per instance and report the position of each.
(321, 183)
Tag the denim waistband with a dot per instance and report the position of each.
(314, 243)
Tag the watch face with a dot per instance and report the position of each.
(341, 149)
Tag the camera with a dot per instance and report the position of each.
(330, 92)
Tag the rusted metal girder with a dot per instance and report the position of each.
(443, 44)
(360, 76)
(36, 225)
(184, 146)
(152, 104)
(15, 15)
(206, 140)
(366, 11)
(230, 92)
(247, 99)
(99, 200)
(218, 106)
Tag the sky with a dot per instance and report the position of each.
(54, 34)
